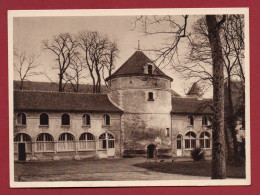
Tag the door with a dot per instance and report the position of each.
(111, 148)
(151, 151)
(179, 145)
(110, 144)
(21, 151)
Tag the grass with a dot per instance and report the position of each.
(201, 168)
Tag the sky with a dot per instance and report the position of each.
(29, 32)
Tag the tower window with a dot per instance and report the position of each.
(150, 69)
(150, 96)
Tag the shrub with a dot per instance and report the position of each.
(197, 154)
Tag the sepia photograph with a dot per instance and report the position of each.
(111, 98)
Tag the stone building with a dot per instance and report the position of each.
(138, 115)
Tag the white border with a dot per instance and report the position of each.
(127, 12)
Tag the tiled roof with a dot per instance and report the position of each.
(184, 105)
(62, 101)
(134, 66)
(48, 86)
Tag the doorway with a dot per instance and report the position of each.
(21, 152)
(151, 151)
(179, 145)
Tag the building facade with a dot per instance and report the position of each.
(139, 115)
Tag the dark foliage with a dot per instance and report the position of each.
(197, 154)
(242, 149)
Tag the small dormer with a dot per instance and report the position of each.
(148, 68)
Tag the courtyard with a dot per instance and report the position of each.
(121, 169)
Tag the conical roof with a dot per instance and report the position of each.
(134, 66)
(194, 90)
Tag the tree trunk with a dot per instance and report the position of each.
(98, 85)
(21, 84)
(60, 82)
(93, 82)
(218, 151)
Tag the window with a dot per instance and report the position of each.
(86, 119)
(205, 140)
(44, 142)
(23, 138)
(21, 119)
(106, 119)
(150, 96)
(65, 119)
(204, 121)
(87, 142)
(106, 140)
(44, 119)
(150, 69)
(190, 140)
(167, 132)
(191, 120)
(66, 142)
(179, 141)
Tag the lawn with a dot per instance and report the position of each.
(201, 168)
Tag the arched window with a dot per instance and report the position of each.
(44, 119)
(86, 119)
(204, 121)
(205, 140)
(190, 140)
(106, 140)
(44, 142)
(191, 120)
(150, 96)
(66, 142)
(179, 141)
(150, 69)
(23, 138)
(106, 119)
(87, 142)
(21, 119)
(65, 119)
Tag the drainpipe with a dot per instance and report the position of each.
(171, 134)
(120, 141)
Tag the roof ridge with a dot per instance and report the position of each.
(69, 92)
(185, 97)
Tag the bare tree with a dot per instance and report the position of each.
(74, 75)
(99, 55)
(25, 66)
(63, 46)
(199, 65)
(110, 57)
(177, 31)
(173, 29)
